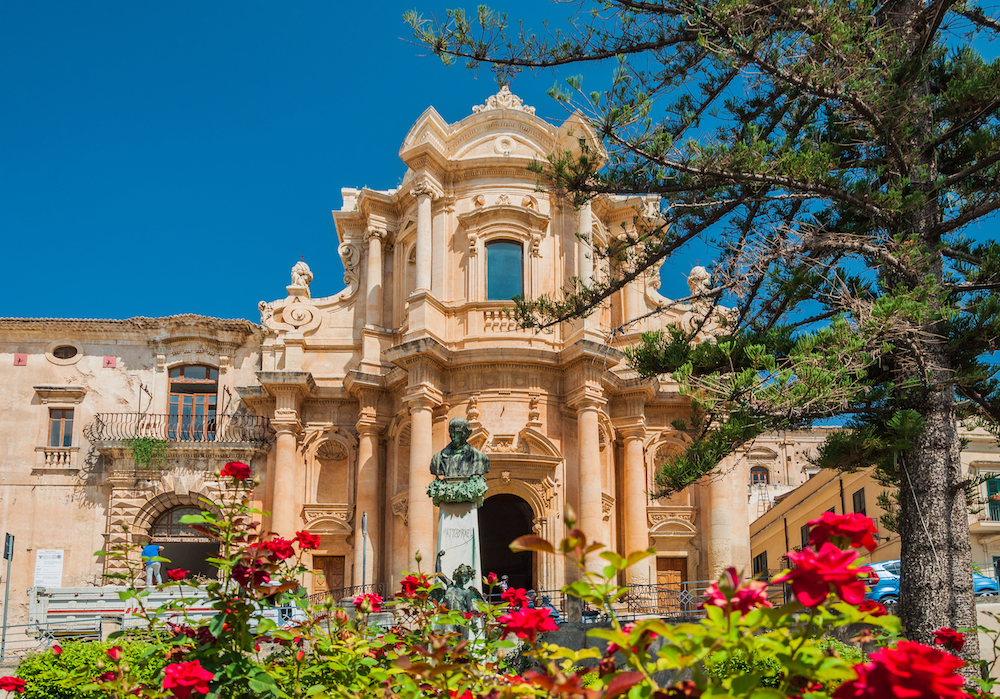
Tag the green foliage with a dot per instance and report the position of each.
(740, 662)
(147, 451)
(63, 677)
(471, 489)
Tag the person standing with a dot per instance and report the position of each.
(149, 552)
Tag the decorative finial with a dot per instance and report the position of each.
(504, 99)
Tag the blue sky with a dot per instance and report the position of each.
(160, 158)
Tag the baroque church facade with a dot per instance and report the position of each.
(339, 402)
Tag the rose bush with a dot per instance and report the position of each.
(743, 647)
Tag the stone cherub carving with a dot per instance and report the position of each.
(301, 275)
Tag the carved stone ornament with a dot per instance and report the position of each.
(472, 410)
(332, 451)
(400, 507)
(504, 99)
(266, 311)
(335, 517)
(479, 201)
(546, 489)
(505, 477)
(607, 504)
(351, 256)
(302, 276)
(534, 413)
(506, 444)
(503, 200)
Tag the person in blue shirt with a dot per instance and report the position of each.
(149, 552)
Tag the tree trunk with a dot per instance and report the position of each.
(936, 589)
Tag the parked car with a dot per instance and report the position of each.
(883, 581)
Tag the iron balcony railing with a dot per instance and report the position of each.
(114, 427)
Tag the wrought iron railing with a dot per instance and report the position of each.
(180, 428)
(339, 593)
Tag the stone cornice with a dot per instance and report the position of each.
(164, 329)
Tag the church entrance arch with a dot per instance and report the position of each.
(503, 518)
(185, 547)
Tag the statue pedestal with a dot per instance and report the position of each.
(458, 538)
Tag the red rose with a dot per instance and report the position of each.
(235, 469)
(115, 653)
(414, 586)
(733, 594)
(12, 684)
(950, 639)
(856, 528)
(910, 670)
(281, 548)
(109, 676)
(490, 580)
(57, 650)
(516, 597)
(368, 602)
(872, 607)
(525, 623)
(177, 574)
(307, 540)
(815, 572)
(181, 679)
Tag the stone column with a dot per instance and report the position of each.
(420, 509)
(366, 501)
(585, 253)
(283, 516)
(373, 307)
(636, 500)
(720, 527)
(591, 515)
(424, 238)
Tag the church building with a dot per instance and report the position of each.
(339, 402)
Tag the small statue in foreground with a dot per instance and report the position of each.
(455, 595)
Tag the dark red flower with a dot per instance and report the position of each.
(12, 684)
(57, 650)
(177, 574)
(516, 597)
(490, 580)
(525, 623)
(181, 679)
(109, 676)
(950, 639)
(911, 670)
(307, 540)
(872, 607)
(855, 528)
(414, 586)
(815, 572)
(252, 575)
(235, 469)
(115, 653)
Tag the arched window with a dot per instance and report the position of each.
(185, 547)
(194, 391)
(759, 475)
(504, 274)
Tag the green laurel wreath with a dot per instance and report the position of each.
(471, 490)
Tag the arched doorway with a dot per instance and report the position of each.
(503, 518)
(185, 547)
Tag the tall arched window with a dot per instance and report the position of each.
(504, 273)
(194, 391)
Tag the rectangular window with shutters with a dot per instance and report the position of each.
(859, 501)
(60, 427)
(804, 532)
(993, 491)
(760, 565)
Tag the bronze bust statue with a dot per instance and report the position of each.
(459, 459)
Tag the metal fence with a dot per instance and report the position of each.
(22, 639)
(114, 427)
(340, 593)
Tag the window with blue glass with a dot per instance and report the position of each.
(503, 270)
